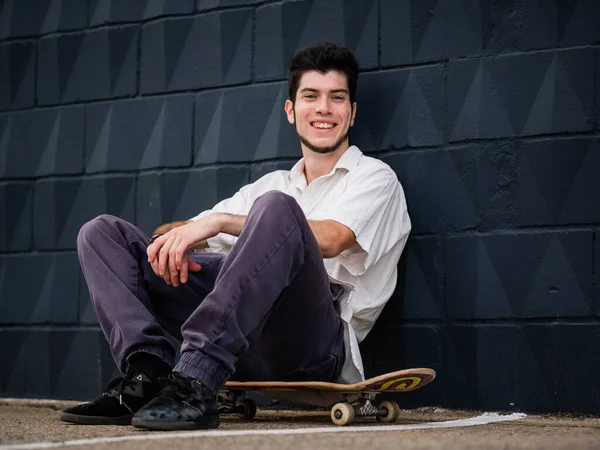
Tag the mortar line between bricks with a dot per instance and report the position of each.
(379, 33)
(21, 39)
(519, 359)
(404, 151)
(579, 320)
(271, 3)
(133, 172)
(594, 262)
(515, 321)
(454, 146)
(138, 56)
(253, 46)
(443, 239)
(443, 275)
(457, 145)
(38, 252)
(84, 149)
(192, 161)
(49, 327)
(509, 231)
(126, 23)
(195, 14)
(33, 214)
(446, 119)
(141, 96)
(135, 198)
(36, 55)
(88, 14)
(596, 88)
(78, 302)
(528, 138)
(528, 52)
(393, 321)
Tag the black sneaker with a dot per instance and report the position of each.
(184, 404)
(122, 398)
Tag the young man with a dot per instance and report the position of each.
(294, 270)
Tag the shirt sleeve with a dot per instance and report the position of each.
(374, 208)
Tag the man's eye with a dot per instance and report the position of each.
(310, 96)
(338, 98)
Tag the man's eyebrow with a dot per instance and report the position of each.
(335, 91)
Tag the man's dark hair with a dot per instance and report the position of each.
(323, 57)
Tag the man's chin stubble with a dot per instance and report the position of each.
(322, 150)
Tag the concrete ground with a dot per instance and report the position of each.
(28, 424)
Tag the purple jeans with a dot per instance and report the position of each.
(265, 311)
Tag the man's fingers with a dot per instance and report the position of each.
(167, 278)
(193, 266)
(173, 261)
(153, 247)
(163, 255)
(183, 274)
(174, 275)
(151, 252)
(180, 253)
(154, 265)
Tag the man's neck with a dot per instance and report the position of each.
(318, 164)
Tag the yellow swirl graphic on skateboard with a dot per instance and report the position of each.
(401, 384)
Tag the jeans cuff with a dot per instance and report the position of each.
(200, 367)
(165, 355)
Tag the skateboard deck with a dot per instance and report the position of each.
(348, 400)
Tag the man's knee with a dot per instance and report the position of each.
(278, 203)
(99, 224)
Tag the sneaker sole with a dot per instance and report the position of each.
(95, 420)
(209, 423)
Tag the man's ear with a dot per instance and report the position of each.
(353, 113)
(289, 111)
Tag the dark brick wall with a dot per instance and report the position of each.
(488, 111)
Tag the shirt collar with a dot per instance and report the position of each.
(347, 161)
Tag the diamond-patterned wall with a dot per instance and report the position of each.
(487, 110)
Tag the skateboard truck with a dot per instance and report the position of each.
(344, 413)
(233, 402)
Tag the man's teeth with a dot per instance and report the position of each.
(323, 125)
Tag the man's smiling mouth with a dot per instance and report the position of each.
(323, 125)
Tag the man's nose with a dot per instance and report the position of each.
(323, 106)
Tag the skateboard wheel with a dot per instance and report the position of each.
(248, 409)
(393, 412)
(342, 414)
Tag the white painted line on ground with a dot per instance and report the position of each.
(473, 421)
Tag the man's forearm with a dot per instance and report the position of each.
(327, 236)
(231, 224)
(166, 227)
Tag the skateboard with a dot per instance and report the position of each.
(347, 401)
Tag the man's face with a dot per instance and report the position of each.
(322, 111)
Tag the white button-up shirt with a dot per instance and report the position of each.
(364, 194)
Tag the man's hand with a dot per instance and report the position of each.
(167, 254)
